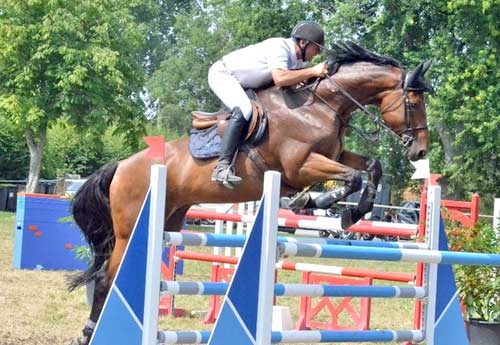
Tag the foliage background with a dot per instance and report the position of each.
(169, 46)
(478, 286)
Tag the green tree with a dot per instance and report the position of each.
(69, 152)
(159, 17)
(14, 156)
(468, 107)
(82, 60)
(179, 85)
(204, 33)
(461, 36)
(463, 39)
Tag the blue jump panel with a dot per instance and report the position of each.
(45, 236)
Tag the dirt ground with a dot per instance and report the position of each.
(35, 306)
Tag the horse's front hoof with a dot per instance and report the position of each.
(346, 220)
(350, 217)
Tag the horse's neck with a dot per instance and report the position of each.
(313, 112)
(364, 81)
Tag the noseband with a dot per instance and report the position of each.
(407, 135)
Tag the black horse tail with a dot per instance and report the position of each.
(91, 212)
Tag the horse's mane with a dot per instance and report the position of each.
(350, 52)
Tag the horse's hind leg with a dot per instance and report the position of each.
(101, 288)
(175, 218)
(102, 282)
(105, 276)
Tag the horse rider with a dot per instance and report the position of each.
(278, 60)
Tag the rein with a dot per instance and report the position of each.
(402, 135)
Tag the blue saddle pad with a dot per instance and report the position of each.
(205, 143)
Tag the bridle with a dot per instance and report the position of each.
(407, 139)
(406, 136)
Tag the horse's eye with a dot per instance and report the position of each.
(417, 104)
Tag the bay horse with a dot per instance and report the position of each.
(305, 144)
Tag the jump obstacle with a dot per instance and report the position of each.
(130, 313)
(222, 267)
(44, 235)
(309, 309)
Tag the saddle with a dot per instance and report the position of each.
(256, 127)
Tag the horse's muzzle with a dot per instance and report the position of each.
(415, 151)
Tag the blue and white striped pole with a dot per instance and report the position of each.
(311, 290)
(388, 254)
(289, 337)
(224, 240)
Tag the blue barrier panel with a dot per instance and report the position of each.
(45, 236)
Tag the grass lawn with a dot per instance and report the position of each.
(37, 309)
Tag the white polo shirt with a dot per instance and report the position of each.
(252, 65)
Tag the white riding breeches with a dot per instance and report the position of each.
(229, 90)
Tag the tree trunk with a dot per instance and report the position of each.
(449, 155)
(447, 141)
(36, 143)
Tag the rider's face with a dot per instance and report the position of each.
(311, 51)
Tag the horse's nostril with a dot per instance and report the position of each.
(422, 154)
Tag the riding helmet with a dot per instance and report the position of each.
(310, 31)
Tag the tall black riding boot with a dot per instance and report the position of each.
(224, 171)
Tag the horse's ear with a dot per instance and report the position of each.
(415, 79)
(413, 76)
(426, 66)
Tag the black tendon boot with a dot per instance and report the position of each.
(224, 171)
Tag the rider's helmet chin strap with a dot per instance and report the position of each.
(303, 50)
